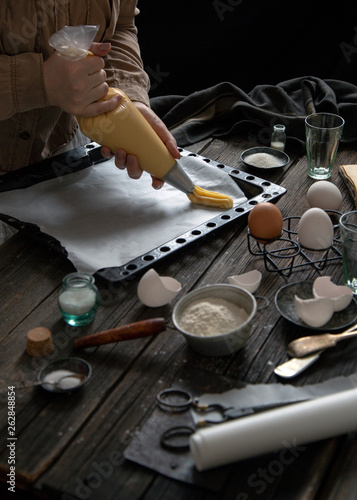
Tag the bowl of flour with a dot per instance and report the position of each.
(264, 158)
(215, 320)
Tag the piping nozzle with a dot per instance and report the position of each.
(178, 178)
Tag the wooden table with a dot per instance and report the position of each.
(72, 447)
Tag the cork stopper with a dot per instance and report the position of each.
(39, 342)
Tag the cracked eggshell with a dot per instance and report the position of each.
(156, 291)
(341, 295)
(314, 312)
(315, 230)
(249, 281)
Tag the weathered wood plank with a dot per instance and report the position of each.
(340, 480)
(72, 446)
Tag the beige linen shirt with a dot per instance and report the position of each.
(30, 129)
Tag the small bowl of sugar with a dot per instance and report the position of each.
(65, 375)
(216, 320)
(264, 158)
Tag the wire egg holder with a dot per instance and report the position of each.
(286, 254)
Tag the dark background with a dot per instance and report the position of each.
(192, 45)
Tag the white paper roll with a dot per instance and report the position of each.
(273, 430)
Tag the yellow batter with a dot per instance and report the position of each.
(210, 198)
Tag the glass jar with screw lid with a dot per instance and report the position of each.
(78, 299)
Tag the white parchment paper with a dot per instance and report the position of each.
(105, 219)
(285, 427)
(255, 395)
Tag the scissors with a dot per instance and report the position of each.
(179, 400)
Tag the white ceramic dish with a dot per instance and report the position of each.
(285, 303)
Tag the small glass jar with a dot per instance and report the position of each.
(278, 137)
(78, 299)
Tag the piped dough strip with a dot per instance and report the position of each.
(210, 198)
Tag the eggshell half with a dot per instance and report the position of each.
(340, 295)
(325, 195)
(156, 291)
(314, 312)
(249, 281)
(315, 230)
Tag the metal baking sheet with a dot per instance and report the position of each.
(256, 190)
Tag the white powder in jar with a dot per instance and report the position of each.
(263, 160)
(212, 316)
(77, 302)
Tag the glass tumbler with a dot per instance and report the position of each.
(78, 299)
(348, 236)
(323, 134)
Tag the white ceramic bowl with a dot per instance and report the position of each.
(220, 344)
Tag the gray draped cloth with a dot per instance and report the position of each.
(225, 109)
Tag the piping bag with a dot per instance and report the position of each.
(126, 128)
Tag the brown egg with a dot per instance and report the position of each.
(265, 222)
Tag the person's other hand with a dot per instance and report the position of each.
(130, 162)
(76, 86)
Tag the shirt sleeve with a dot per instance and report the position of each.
(21, 76)
(124, 65)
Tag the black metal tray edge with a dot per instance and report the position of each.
(268, 192)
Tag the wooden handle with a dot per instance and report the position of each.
(137, 330)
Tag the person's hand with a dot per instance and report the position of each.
(130, 162)
(76, 86)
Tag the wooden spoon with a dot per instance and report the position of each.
(308, 345)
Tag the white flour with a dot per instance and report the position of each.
(212, 316)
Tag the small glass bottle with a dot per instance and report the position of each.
(278, 137)
(78, 299)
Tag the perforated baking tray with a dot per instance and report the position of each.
(255, 189)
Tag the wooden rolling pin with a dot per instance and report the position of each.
(145, 328)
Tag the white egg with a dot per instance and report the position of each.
(249, 281)
(315, 230)
(325, 195)
(156, 291)
(340, 295)
(314, 312)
